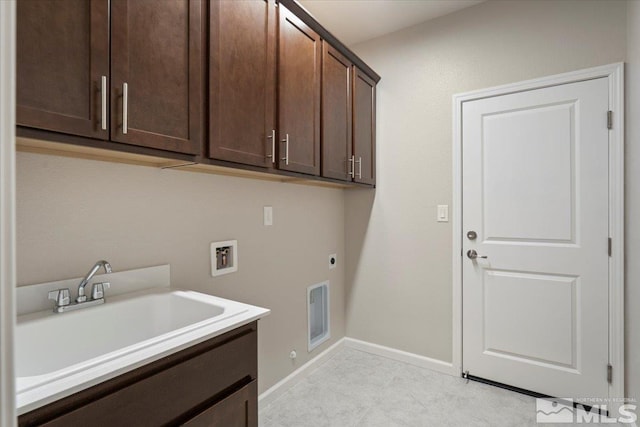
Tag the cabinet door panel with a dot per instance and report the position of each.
(62, 53)
(242, 81)
(364, 128)
(238, 410)
(168, 395)
(156, 49)
(298, 94)
(336, 114)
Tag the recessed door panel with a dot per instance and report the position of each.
(157, 73)
(522, 322)
(299, 60)
(336, 115)
(242, 82)
(62, 61)
(364, 128)
(530, 152)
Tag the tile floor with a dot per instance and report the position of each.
(355, 388)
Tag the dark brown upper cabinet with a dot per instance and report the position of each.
(364, 128)
(242, 73)
(63, 66)
(337, 160)
(284, 96)
(157, 74)
(299, 60)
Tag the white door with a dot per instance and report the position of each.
(535, 192)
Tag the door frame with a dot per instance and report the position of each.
(615, 75)
(7, 209)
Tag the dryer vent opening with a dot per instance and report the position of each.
(318, 311)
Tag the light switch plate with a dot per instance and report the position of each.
(268, 215)
(443, 213)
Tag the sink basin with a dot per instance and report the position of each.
(60, 354)
(74, 338)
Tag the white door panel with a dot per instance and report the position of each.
(513, 166)
(508, 328)
(535, 190)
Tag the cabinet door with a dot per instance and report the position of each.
(62, 59)
(336, 114)
(299, 57)
(364, 127)
(163, 395)
(242, 81)
(157, 73)
(238, 410)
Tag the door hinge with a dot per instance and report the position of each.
(609, 373)
(609, 119)
(609, 245)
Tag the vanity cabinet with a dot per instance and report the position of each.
(128, 71)
(237, 410)
(209, 384)
(242, 81)
(62, 61)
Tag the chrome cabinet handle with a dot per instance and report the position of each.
(286, 150)
(472, 254)
(103, 91)
(359, 162)
(272, 137)
(125, 108)
(352, 166)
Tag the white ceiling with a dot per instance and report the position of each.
(354, 21)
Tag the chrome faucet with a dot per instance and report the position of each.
(61, 296)
(107, 268)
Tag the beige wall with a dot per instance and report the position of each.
(632, 200)
(399, 280)
(73, 212)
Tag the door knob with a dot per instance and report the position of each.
(472, 254)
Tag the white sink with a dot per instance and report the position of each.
(60, 354)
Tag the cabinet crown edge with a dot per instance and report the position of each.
(302, 13)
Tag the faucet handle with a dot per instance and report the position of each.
(60, 296)
(97, 290)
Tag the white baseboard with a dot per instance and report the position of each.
(279, 388)
(402, 356)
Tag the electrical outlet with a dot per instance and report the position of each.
(333, 261)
